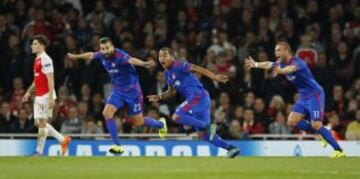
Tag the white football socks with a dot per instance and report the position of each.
(42, 134)
(54, 133)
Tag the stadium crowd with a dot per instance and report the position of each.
(216, 34)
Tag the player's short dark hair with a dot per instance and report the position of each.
(171, 52)
(104, 40)
(42, 39)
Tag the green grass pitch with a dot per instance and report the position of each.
(178, 167)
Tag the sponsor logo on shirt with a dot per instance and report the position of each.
(113, 71)
(47, 65)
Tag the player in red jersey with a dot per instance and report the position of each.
(45, 95)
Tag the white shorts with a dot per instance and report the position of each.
(41, 108)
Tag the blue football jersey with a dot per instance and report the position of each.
(122, 73)
(302, 78)
(183, 80)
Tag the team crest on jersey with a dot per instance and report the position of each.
(173, 75)
(290, 77)
(113, 64)
(177, 83)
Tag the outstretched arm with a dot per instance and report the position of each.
(138, 62)
(165, 95)
(250, 63)
(209, 74)
(84, 56)
(285, 70)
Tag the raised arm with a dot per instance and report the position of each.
(285, 70)
(84, 56)
(250, 63)
(170, 92)
(209, 74)
(138, 62)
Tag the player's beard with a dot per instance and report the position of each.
(108, 54)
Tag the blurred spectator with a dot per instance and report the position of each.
(343, 64)
(338, 102)
(72, 124)
(276, 104)
(18, 92)
(82, 32)
(354, 91)
(96, 108)
(101, 13)
(223, 65)
(235, 130)
(334, 126)
(238, 113)
(22, 124)
(83, 110)
(306, 52)
(6, 118)
(353, 129)
(279, 126)
(260, 112)
(85, 95)
(41, 25)
(12, 65)
(249, 125)
(223, 111)
(323, 73)
(90, 127)
(159, 88)
(249, 100)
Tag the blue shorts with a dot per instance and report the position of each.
(311, 107)
(198, 106)
(132, 99)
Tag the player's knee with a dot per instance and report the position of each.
(291, 122)
(41, 123)
(175, 117)
(316, 125)
(107, 114)
(43, 131)
(138, 122)
(36, 123)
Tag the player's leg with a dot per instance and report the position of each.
(63, 140)
(40, 116)
(42, 135)
(203, 113)
(134, 100)
(297, 117)
(108, 113)
(113, 103)
(316, 110)
(183, 114)
(140, 120)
